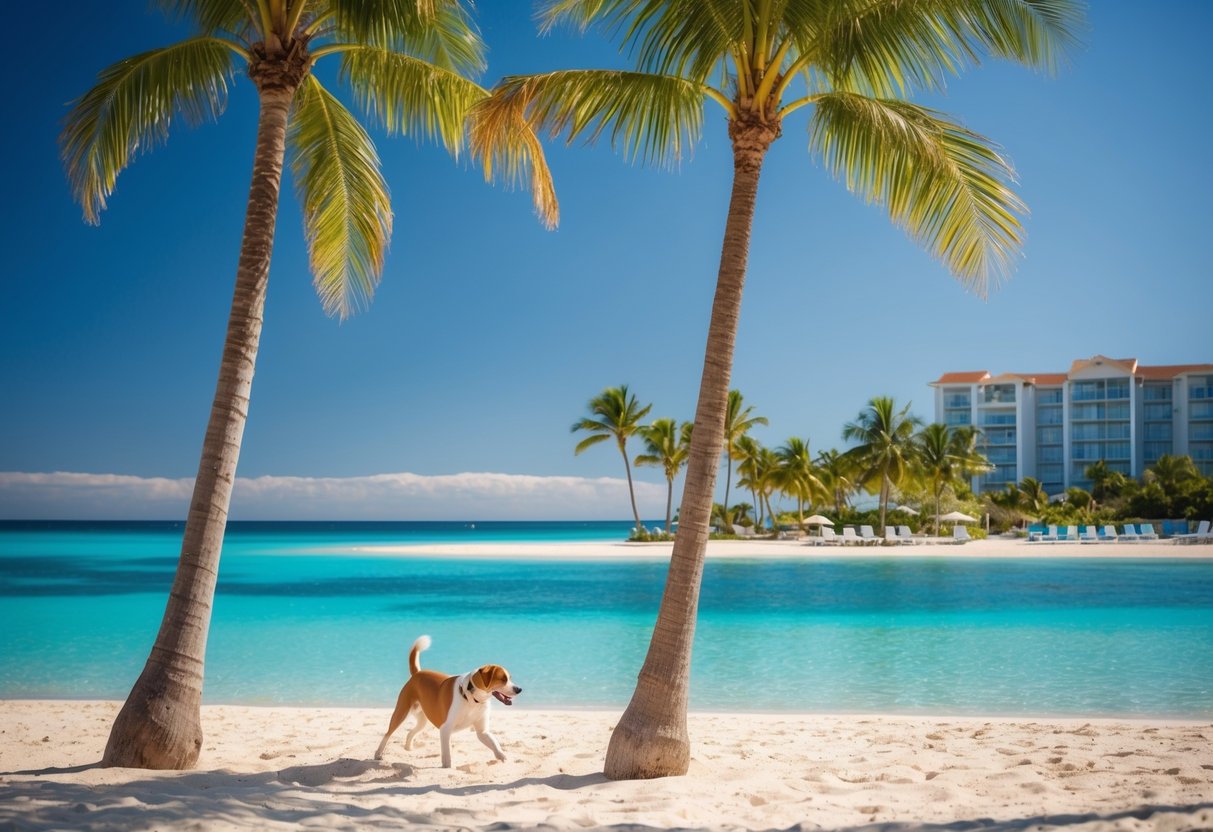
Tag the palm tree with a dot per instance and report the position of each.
(948, 457)
(836, 471)
(854, 62)
(1106, 482)
(668, 445)
(748, 450)
(886, 449)
(1033, 498)
(737, 423)
(405, 62)
(618, 416)
(796, 476)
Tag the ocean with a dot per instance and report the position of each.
(301, 618)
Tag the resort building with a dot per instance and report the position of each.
(1052, 426)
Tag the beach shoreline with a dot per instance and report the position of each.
(782, 549)
(292, 768)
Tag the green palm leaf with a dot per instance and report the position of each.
(347, 213)
(441, 32)
(888, 47)
(409, 95)
(651, 117)
(132, 107)
(212, 16)
(945, 185)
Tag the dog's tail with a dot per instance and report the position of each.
(420, 644)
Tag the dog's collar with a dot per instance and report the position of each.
(467, 692)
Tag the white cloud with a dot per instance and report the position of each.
(403, 496)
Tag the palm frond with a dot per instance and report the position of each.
(889, 47)
(509, 151)
(212, 16)
(440, 32)
(347, 214)
(948, 187)
(649, 117)
(131, 109)
(688, 38)
(409, 95)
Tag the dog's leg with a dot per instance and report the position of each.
(403, 706)
(416, 729)
(445, 733)
(488, 739)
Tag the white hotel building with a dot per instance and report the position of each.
(1051, 426)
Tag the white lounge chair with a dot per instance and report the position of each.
(960, 535)
(907, 536)
(1090, 534)
(1147, 532)
(1071, 534)
(1109, 534)
(1128, 533)
(1051, 535)
(1201, 535)
(828, 538)
(868, 535)
(849, 536)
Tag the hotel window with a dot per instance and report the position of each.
(1200, 387)
(1116, 450)
(1158, 430)
(1087, 411)
(952, 399)
(1201, 431)
(1118, 388)
(1200, 410)
(1118, 411)
(1050, 395)
(1048, 416)
(1049, 454)
(1085, 391)
(957, 417)
(1158, 412)
(1157, 392)
(1049, 436)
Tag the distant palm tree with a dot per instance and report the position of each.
(796, 475)
(854, 62)
(1033, 499)
(886, 449)
(1106, 482)
(667, 445)
(948, 457)
(406, 63)
(1173, 473)
(759, 473)
(837, 471)
(617, 415)
(737, 423)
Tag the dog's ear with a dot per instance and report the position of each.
(490, 676)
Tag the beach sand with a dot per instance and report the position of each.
(312, 768)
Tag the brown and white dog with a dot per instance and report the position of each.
(452, 703)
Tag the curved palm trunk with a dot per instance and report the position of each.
(728, 477)
(159, 726)
(627, 466)
(669, 505)
(651, 737)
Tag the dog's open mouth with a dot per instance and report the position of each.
(502, 698)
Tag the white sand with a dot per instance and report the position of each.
(311, 768)
(993, 548)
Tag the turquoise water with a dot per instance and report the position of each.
(300, 619)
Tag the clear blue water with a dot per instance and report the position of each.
(302, 619)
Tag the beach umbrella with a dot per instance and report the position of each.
(818, 520)
(904, 510)
(957, 517)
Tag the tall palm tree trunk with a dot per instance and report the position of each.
(627, 466)
(159, 726)
(669, 505)
(651, 738)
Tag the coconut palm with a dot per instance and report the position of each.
(836, 471)
(947, 458)
(796, 476)
(853, 63)
(1033, 499)
(737, 423)
(616, 415)
(886, 450)
(759, 472)
(667, 445)
(406, 63)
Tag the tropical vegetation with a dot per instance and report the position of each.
(409, 65)
(615, 414)
(854, 63)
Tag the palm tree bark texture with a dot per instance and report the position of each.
(651, 738)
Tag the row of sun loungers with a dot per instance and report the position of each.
(1129, 533)
(865, 536)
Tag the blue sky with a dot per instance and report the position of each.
(489, 334)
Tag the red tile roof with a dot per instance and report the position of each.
(1165, 371)
(963, 378)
